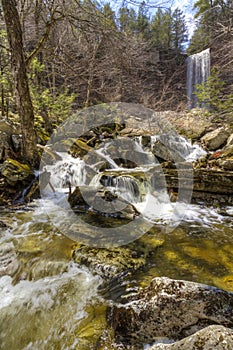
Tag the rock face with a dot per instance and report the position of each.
(215, 139)
(170, 308)
(210, 338)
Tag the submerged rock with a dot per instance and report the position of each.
(213, 337)
(170, 308)
(109, 262)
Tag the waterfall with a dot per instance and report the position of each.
(128, 187)
(67, 172)
(198, 70)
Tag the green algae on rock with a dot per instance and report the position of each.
(15, 172)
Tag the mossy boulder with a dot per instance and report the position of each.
(112, 262)
(63, 145)
(109, 262)
(79, 149)
(15, 172)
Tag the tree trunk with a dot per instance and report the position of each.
(25, 107)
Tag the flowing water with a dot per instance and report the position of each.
(49, 302)
(198, 70)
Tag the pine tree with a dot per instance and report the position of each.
(143, 21)
(127, 19)
(179, 30)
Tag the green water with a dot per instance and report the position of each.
(48, 302)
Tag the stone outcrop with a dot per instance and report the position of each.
(215, 139)
(210, 338)
(174, 309)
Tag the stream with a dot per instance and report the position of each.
(47, 301)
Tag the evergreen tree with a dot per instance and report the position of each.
(127, 19)
(161, 29)
(168, 30)
(143, 21)
(179, 30)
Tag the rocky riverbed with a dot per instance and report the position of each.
(123, 300)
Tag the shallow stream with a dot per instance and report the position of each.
(49, 302)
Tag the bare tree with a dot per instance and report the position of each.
(25, 107)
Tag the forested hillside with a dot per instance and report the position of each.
(96, 54)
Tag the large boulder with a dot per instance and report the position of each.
(15, 172)
(210, 338)
(170, 308)
(215, 139)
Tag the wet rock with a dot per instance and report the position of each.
(101, 201)
(109, 262)
(8, 259)
(213, 337)
(170, 308)
(215, 139)
(42, 268)
(15, 172)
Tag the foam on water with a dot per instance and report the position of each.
(56, 305)
(67, 172)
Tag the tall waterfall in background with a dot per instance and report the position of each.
(198, 70)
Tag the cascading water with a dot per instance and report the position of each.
(67, 172)
(48, 302)
(198, 70)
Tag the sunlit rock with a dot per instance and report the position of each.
(215, 139)
(213, 337)
(171, 308)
